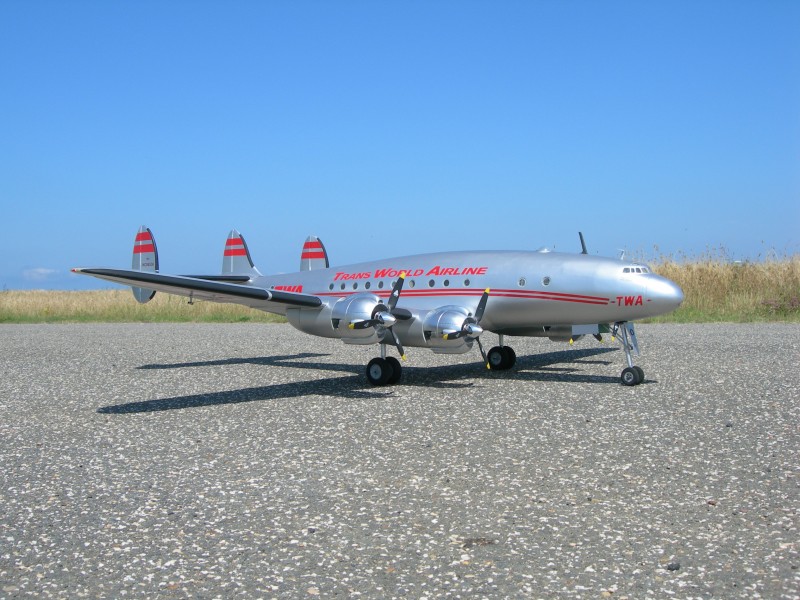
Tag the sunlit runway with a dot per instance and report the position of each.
(215, 460)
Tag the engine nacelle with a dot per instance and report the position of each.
(442, 321)
(355, 308)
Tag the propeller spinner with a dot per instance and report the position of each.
(383, 315)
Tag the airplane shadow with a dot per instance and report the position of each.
(536, 367)
(263, 361)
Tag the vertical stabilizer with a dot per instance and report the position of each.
(236, 256)
(314, 255)
(145, 258)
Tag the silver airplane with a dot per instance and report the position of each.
(443, 301)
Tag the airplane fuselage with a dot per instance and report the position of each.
(531, 293)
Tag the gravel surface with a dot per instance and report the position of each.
(254, 461)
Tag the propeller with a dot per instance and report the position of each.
(471, 327)
(382, 315)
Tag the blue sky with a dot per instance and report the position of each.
(391, 128)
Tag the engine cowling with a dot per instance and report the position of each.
(355, 309)
(442, 322)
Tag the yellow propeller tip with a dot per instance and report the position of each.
(351, 326)
(488, 366)
(487, 290)
(403, 275)
(404, 357)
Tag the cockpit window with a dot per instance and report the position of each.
(635, 270)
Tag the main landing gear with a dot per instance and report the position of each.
(384, 371)
(631, 375)
(387, 370)
(501, 358)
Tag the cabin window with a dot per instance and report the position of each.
(431, 283)
(355, 286)
(367, 285)
(521, 282)
(342, 286)
(380, 285)
(446, 283)
(330, 287)
(412, 283)
(626, 270)
(546, 280)
(466, 283)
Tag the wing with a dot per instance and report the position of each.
(204, 289)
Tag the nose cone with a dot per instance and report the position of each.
(664, 295)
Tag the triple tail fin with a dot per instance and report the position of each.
(314, 255)
(236, 258)
(145, 258)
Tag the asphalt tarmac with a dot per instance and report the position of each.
(243, 461)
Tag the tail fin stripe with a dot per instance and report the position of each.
(310, 255)
(144, 236)
(235, 252)
(142, 248)
(317, 245)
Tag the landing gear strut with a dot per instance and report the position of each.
(631, 375)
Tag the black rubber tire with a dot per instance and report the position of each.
(397, 370)
(640, 372)
(379, 372)
(496, 359)
(630, 376)
(511, 356)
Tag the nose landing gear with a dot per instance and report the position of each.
(631, 375)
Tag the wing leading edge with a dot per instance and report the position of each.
(203, 289)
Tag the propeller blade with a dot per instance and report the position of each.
(483, 354)
(397, 344)
(364, 324)
(482, 305)
(454, 335)
(398, 287)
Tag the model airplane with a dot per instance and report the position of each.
(442, 301)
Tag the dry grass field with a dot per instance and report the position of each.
(118, 306)
(735, 292)
(715, 291)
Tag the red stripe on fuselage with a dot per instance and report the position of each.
(522, 294)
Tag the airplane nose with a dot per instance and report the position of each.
(664, 293)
